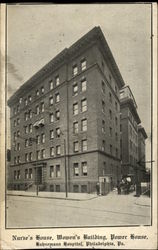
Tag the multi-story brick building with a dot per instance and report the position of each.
(65, 120)
(142, 136)
(129, 120)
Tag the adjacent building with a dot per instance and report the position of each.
(142, 136)
(65, 121)
(129, 132)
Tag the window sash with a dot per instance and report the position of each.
(75, 127)
(76, 146)
(84, 145)
(84, 125)
(83, 64)
(84, 105)
(52, 151)
(75, 109)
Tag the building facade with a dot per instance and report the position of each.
(65, 121)
(129, 131)
(142, 136)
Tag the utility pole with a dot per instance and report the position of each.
(66, 193)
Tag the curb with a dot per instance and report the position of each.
(58, 198)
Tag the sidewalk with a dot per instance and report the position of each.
(54, 195)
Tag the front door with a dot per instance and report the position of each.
(39, 175)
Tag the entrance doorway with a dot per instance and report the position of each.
(39, 175)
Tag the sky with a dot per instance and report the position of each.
(37, 33)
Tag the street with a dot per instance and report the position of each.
(110, 210)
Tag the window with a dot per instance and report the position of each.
(15, 175)
(18, 174)
(26, 157)
(30, 156)
(115, 89)
(51, 117)
(116, 107)
(43, 138)
(116, 136)
(116, 152)
(75, 127)
(84, 145)
(43, 153)
(103, 86)
(57, 188)
(110, 78)
(37, 92)
(30, 173)
(38, 139)
(51, 188)
(52, 134)
(18, 146)
(83, 64)
(15, 136)
(84, 125)
(37, 110)
(75, 188)
(15, 160)
(38, 155)
(51, 85)
(26, 174)
(14, 111)
(84, 105)
(42, 107)
(103, 145)
(83, 188)
(58, 174)
(76, 169)
(51, 171)
(57, 132)
(103, 106)
(29, 114)
(103, 126)
(110, 97)
(83, 85)
(18, 159)
(84, 168)
(42, 89)
(110, 114)
(26, 143)
(57, 114)
(20, 100)
(26, 102)
(76, 146)
(57, 97)
(75, 108)
(110, 131)
(116, 121)
(57, 81)
(111, 149)
(30, 128)
(18, 133)
(18, 121)
(75, 89)
(52, 151)
(104, 168)
(75, 70)
(14, 123)
(51, 100)
(18, 108)
(26, 116)
(30, 98)
(58, 150)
